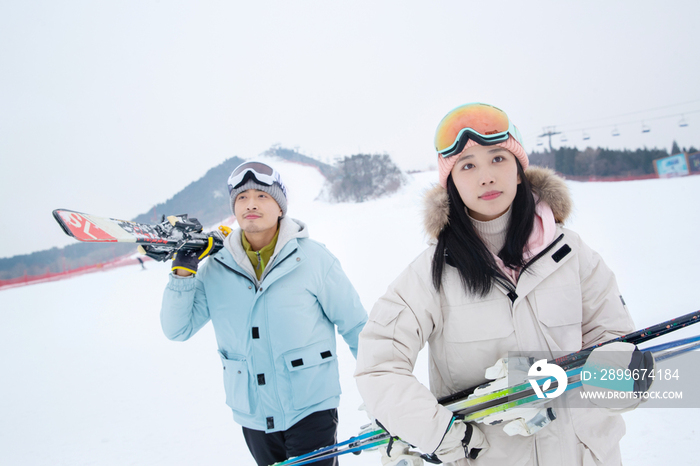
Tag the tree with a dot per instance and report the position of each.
(361, 177)
(675, 149)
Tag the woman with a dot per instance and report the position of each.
(503, 277)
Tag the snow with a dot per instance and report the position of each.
(87, 377)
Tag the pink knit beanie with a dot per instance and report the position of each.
(445, 165)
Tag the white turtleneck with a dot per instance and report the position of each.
(493, 232)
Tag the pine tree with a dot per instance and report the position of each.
(675, 149)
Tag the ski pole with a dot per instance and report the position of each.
(321, 451)
(672, 344)
(672, 354)
(636, 338)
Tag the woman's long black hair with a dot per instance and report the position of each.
(460, 246)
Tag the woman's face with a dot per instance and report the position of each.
(487, 180)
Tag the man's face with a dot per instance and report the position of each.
(256, 211)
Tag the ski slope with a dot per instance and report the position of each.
(87, 377)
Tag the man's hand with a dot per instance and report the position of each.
(185, 263)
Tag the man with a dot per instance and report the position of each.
(274, 297)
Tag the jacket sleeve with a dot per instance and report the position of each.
(341, 304)
(605, 315)
(184, 310)
(400, 324)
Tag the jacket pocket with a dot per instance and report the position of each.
(484, 320)
(313, 372)
(476, 335)
(561, 311)
(588, 423)
(236, 382)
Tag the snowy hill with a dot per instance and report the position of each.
(89, 378)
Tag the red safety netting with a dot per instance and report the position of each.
(618, 178)
(50, 277)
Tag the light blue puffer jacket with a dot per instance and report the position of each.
(276, 336)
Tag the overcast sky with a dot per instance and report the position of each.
(110, 107)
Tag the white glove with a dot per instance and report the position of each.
(523, 421)
(399, 454)
(616, 371)
(396, 452)
(367, 428)
(462, 440)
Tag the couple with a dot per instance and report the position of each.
(501, 275)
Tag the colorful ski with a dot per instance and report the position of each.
(159, 241)
(577, 359)
(378, 437)
(525, 396)
(519, 395)
(475, 408)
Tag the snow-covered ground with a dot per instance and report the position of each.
(87, 377)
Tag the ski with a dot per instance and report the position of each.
(380, 436)
(513, 393)
(527, 397)
(158, 241)
(577, 359)
(478, 407)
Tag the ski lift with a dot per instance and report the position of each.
(615, 132)
(683, 123)
(586, 136)
(539, 142)
(563, 137)
(645, 128)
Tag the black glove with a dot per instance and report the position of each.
(188, 260)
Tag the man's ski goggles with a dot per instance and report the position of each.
(262, 173)
(482, 123)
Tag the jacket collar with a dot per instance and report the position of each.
(547, 186)
(290, 230)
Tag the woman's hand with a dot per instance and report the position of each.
(462, 440)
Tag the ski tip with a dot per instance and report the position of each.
(57, 215)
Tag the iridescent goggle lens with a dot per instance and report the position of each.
(482, 123)
(262, 173)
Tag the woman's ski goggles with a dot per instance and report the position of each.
(482, 123)
(262, 173)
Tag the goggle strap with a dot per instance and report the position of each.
(469, 134)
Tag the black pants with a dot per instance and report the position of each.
(315, 431)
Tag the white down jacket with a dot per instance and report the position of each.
(568, 299)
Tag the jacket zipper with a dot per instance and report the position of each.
(542, 253)
(266, 269)
(257, 253)
(274, 375)
(275, 264)
(235, 271)
(504, 282)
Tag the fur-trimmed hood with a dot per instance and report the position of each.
(550, 188)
